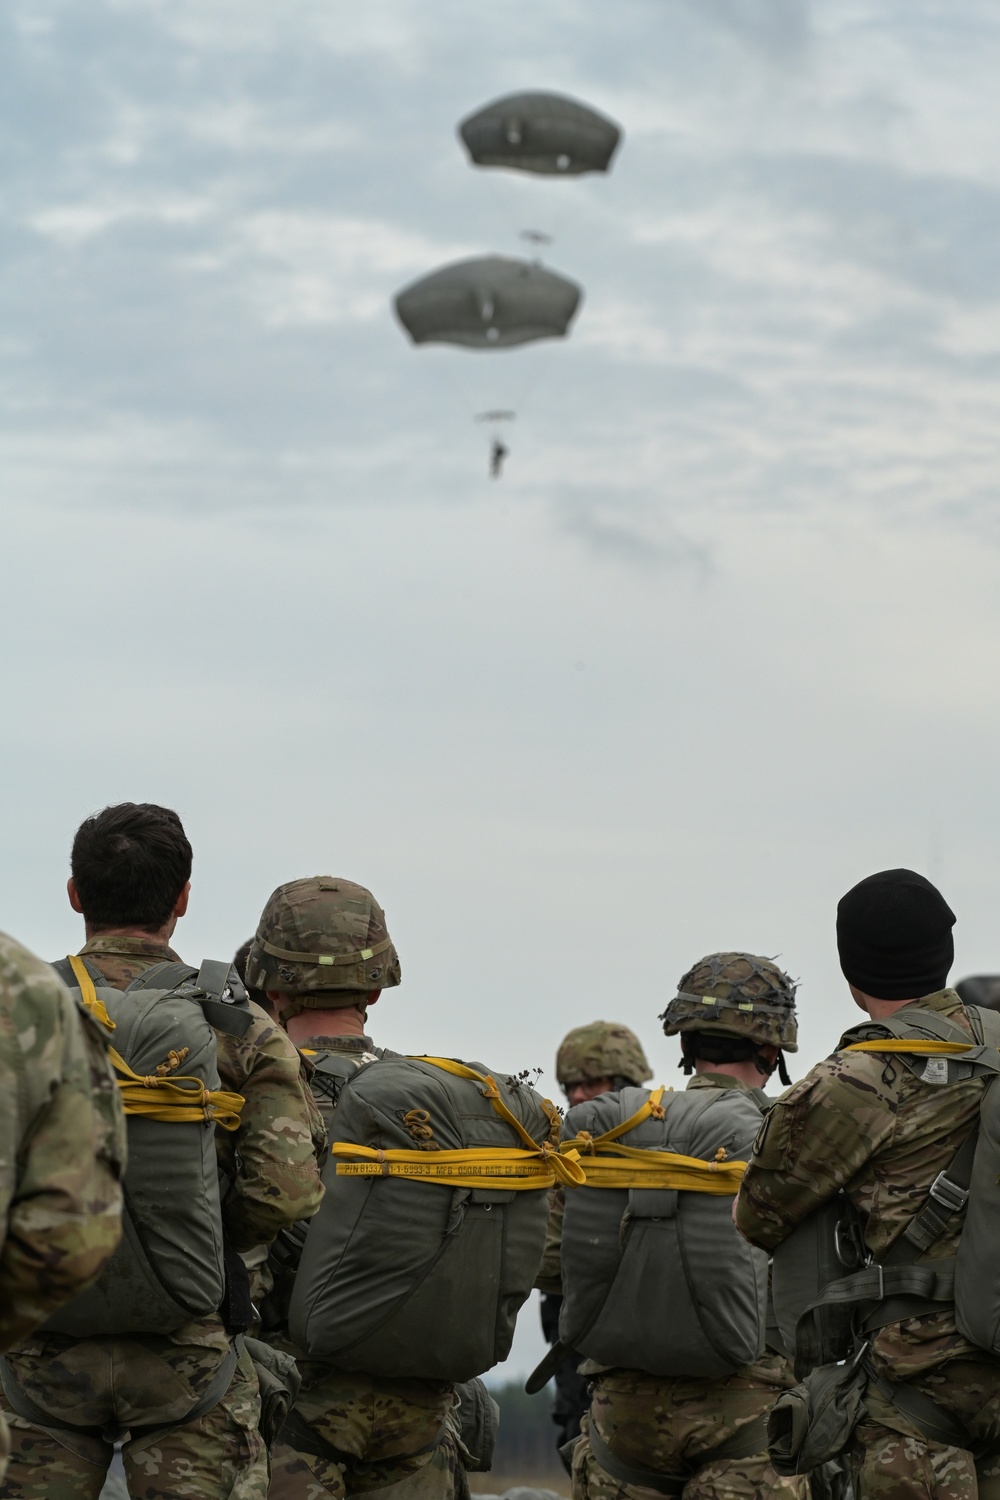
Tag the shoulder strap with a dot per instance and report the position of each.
(226, 1003)
(168, 975)
(64, 969)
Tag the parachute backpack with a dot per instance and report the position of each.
(431, 1230)
(824, 1313)
(170, 1264)
(655, 1275)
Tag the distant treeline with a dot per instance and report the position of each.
(526, 1444)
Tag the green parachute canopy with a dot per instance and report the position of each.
(491, 302)
(546, 133)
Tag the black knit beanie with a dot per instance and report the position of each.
(894, 936)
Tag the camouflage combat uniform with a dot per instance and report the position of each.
(601, 1050)
(154, 1380)
(673, 1425)
(62, 1149)
(863, 1122)
(349, 1433)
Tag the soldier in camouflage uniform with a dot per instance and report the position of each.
(591, 1060)
(863, 1123)
(62, 1149)
(131, 866)
(323, 954)
(734, 1013)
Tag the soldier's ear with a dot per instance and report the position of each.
(181, 904)
(74, 899)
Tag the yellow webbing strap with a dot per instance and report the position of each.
(180, 1100)
(929, 1048)
(610, 1165)
(534, 1167)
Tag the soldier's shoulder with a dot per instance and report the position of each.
(841, 1071)
(32, 995)
(265, 1045)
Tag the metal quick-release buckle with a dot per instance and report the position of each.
(949, 1193)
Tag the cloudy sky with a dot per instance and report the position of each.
(725, 637)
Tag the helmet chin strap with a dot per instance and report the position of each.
(766, 1068)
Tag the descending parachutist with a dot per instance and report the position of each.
(498, 452)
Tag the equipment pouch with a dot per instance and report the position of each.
(279, 1380)
(814, 1422)
(478, 1420)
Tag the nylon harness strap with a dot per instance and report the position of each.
(527, 1169)
(745, 1442)
(213, 1393)
(608, 1164)
(178, 1100)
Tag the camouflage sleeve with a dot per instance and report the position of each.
(812, 1142)
(271, 1160)
(61, 1164)
(549, 1278)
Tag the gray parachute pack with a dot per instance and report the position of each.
(658, 1279)
(403, 1274)
(170, 1264)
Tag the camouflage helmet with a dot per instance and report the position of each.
(603, 1049)
(324, 941)
(736, 994)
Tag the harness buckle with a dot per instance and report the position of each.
(948, 1193)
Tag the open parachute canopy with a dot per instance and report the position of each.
(491, 302)
(545, 133)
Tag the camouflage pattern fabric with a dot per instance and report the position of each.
(319, 938)
(892, 1460)
(384, 1431)
(281, 1132)
(672, 1425)
(219, 1457)
(736, 994)
(865, 1123)
(62, 1145)
(602, 1049)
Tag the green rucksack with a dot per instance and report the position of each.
(170, 1264)
(823, 1312)
(431, 1230)
(655, 1277)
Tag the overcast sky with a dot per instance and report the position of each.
(722, 641)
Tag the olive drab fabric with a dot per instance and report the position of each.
(169, 1266)
(491, 302)
(324, 940)
(656, 1278)
(545, 133)
(390, 1249)
(736, 994)
(601, 1049)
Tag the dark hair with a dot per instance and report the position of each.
(130, 863)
